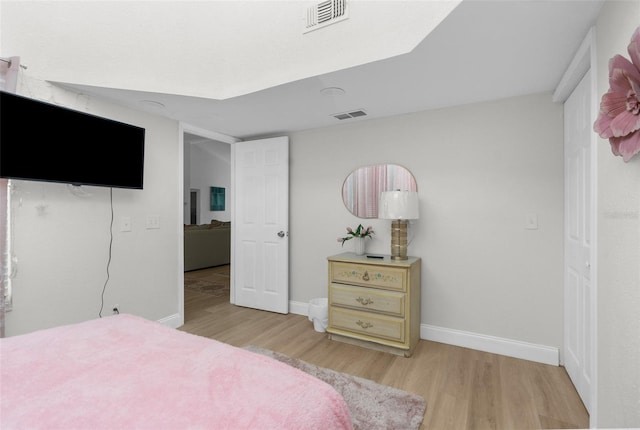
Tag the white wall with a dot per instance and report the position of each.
(63, 249)
(210, 166)
(618, 364)
(480, 169)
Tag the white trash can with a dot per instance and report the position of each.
(319, 314)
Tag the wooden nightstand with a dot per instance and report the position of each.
(374, 302)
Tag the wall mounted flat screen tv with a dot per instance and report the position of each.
(42, 141)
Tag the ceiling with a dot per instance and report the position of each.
(484, 50)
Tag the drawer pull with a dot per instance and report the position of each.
(364, 325)
(365, 277)
(364, 302)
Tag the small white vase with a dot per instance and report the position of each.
(359, 245)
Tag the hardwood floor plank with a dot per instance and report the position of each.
(485, 408)
(517, 395)
(464, 388)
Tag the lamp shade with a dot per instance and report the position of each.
(398, 205)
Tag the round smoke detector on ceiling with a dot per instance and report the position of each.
(332, 91)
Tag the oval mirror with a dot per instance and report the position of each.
(361, 190)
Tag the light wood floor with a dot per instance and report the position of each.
(464, 388)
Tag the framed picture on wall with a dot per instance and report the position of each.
(217, 199)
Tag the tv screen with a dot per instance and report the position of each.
(42, 141)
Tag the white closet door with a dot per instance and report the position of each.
(578, 209)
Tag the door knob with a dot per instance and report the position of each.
(281, 233)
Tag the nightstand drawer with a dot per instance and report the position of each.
(390, 278)
(369, 324)
(390, 302)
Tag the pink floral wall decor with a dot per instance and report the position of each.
(619, 117)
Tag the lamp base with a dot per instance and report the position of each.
(399, 239)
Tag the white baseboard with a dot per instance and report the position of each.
(466, 339)
(496, 345)
(299, 308)
(173, 321)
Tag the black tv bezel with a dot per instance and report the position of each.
(75, 119)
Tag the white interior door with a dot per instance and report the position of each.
(260, 243)
(578, 282)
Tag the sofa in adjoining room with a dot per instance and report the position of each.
(207, 245)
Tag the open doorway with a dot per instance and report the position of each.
(207, 220)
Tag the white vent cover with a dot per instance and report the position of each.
(349, 115)
(326, 13)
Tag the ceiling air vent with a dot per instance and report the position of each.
(349, 115)
(326, 13)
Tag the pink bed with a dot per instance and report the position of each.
(126, 372)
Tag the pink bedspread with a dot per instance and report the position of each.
(125, 372)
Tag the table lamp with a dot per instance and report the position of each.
(399, 206)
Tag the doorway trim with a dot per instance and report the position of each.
(584, 60)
